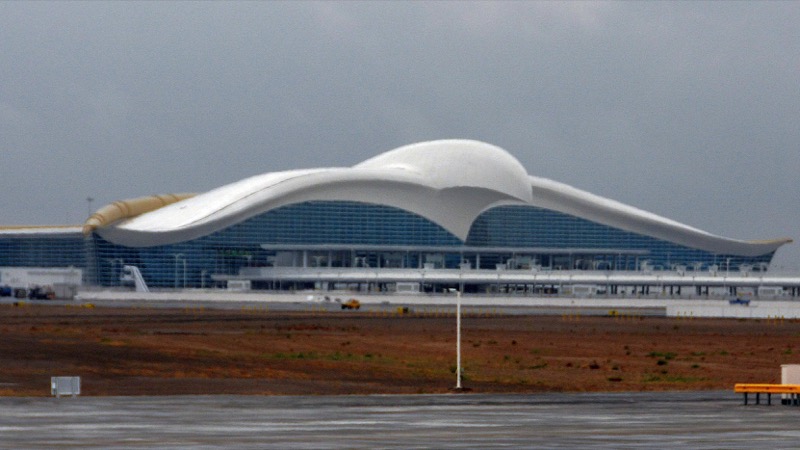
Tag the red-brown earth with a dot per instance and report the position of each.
(153, 351)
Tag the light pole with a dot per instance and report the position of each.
(458, 331)
(458, 339)
(113, 262)
(177, 257)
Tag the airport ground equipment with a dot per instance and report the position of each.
(351, 304)
(65, 386)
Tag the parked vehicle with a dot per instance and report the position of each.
(41, 293)
(739, 301)
(351, 304)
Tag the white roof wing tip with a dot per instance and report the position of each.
(778, 241)
(610, 212)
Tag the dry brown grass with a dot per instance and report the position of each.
(123, 351)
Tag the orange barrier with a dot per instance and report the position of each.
(769, 389)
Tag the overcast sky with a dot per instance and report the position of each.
(689, 110)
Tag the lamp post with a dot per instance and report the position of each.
(458, 339)
(177, 257)
(458, 330)
(114, 262)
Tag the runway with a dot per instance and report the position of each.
(715, 419)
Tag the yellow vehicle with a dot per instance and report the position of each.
(351, 304)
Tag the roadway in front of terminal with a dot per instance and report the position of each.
(659, 305)
(315, 301)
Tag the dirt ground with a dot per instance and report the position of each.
(138, 351)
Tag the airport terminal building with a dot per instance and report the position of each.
(450, 205)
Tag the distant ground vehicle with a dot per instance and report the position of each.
(41, 293)
(6, 291)
(351, 304)
(739, 301)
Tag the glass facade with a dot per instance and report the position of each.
(227, 251)
(527, 226)
(43, 250)
(352, 234)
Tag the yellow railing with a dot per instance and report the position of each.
(764, 388)
(755, 388)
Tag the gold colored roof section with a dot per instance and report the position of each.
(125, 209)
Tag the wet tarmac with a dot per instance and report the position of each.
(697, 420)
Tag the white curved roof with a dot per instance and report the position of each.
(450, 182)
(567, 199)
